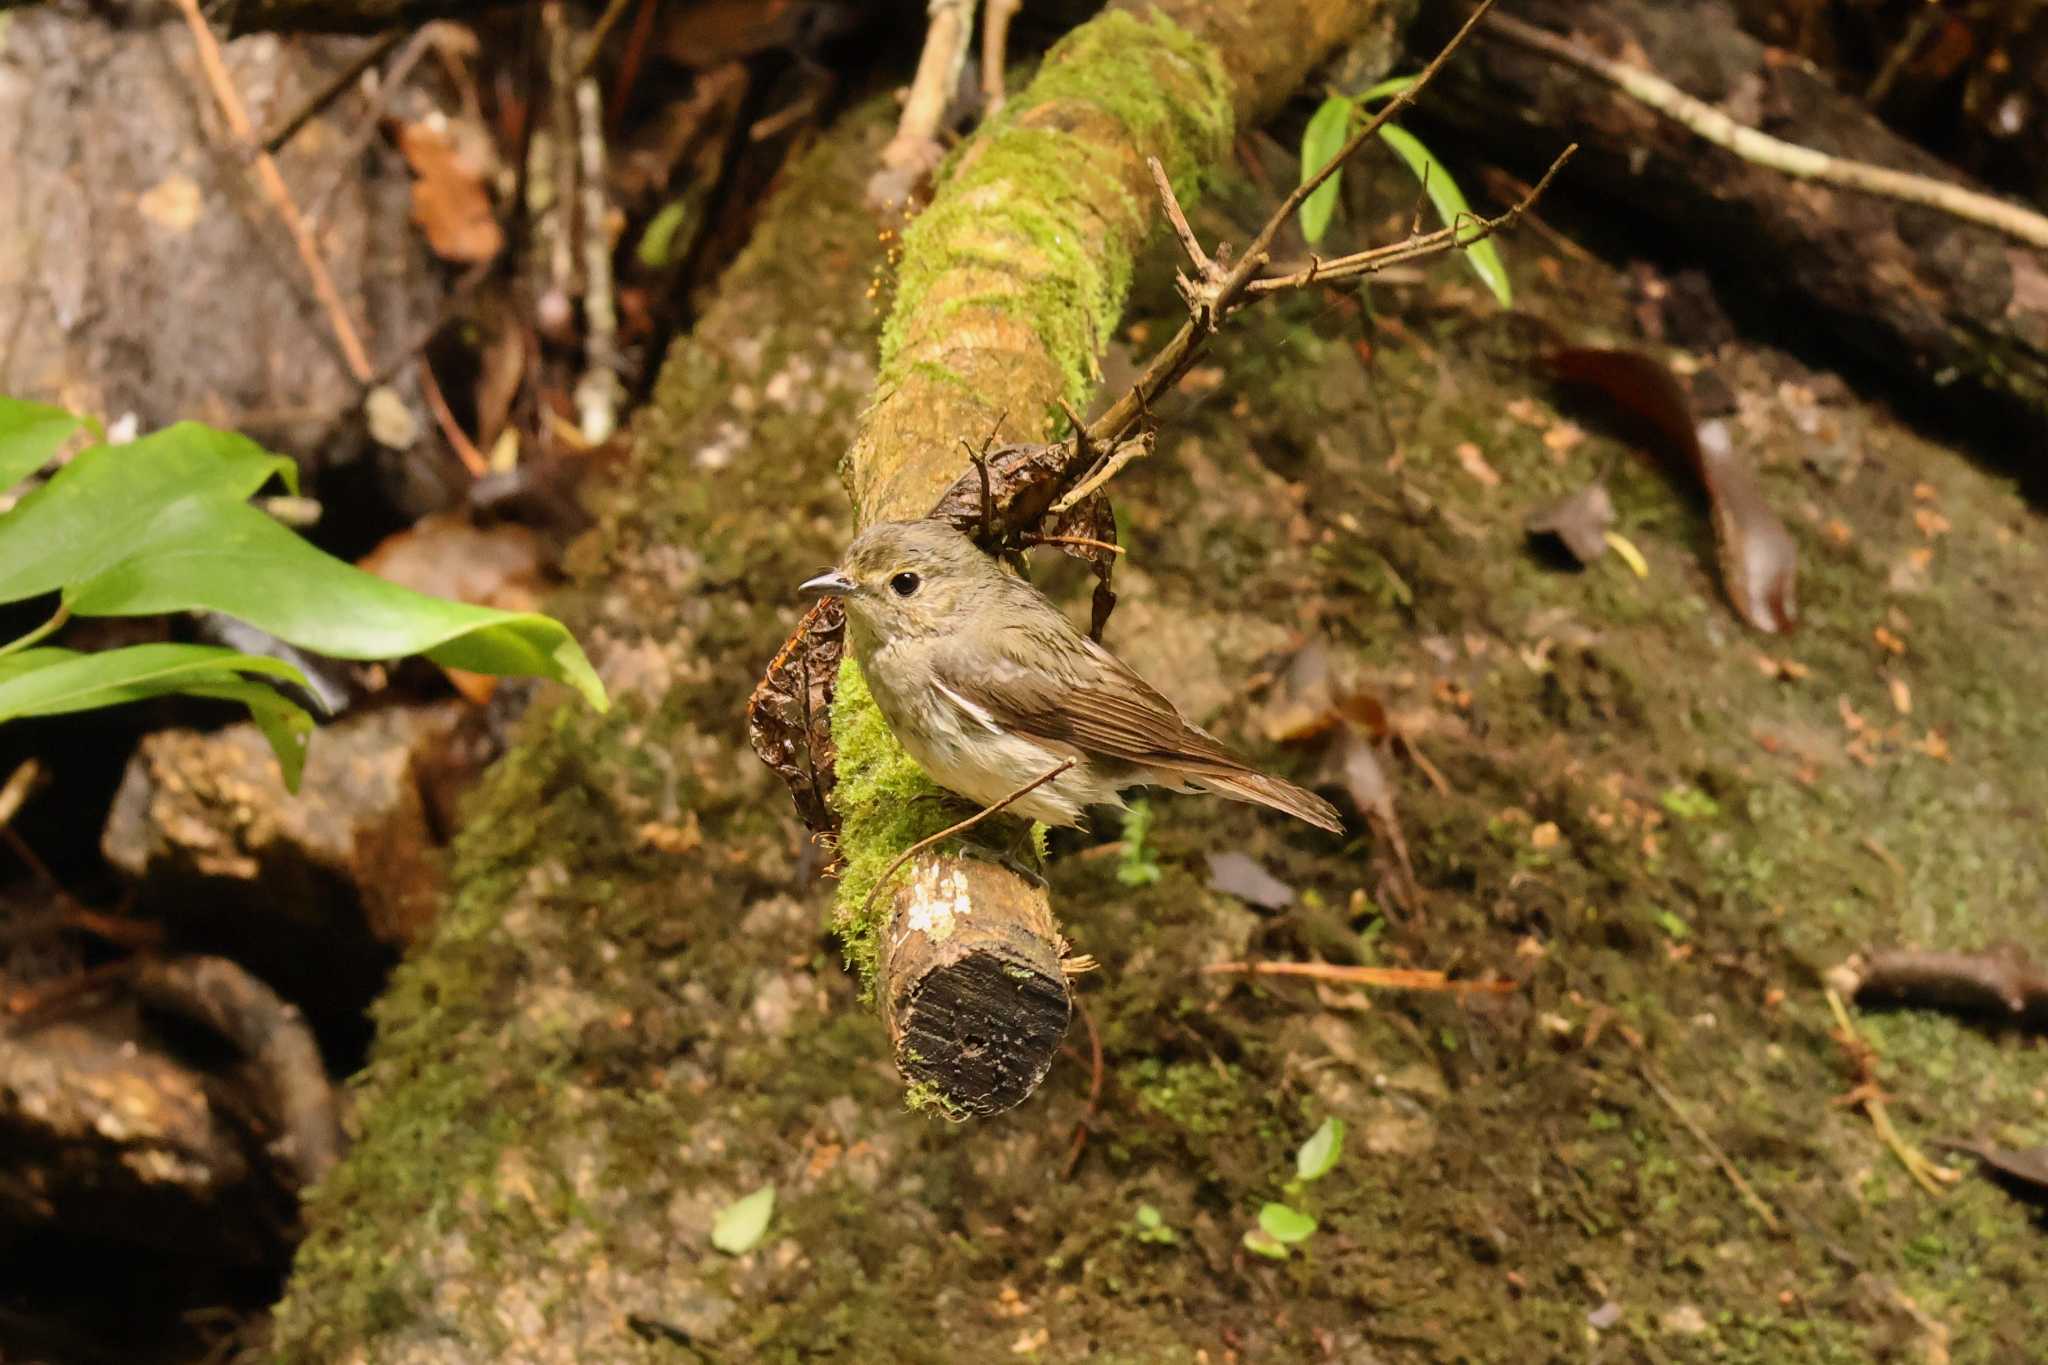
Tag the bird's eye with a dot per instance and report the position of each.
(905, 584)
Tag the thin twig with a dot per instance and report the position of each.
(1214, 292)
(970, 822)
(272, 181)
(1083, 541)
(1254, 258)
(1188, 241)
(1120, 454)
(995, 40)
(1721, 1158)
(1094, 1091)
(336, 86)
(19, 784)
(458, 440)
(1460, 234)
(1929, 1175)
(1761, 149)
(1392, 978)
(603, 30)
(599, 392)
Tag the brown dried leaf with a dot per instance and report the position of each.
(1365, 780)
(1580, 520)
(1759, 559)
(1240, 875)
(503, 566)
(449, 201)
(789, 717)
(2023, 1165)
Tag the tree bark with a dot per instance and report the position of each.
(1943, 303)
(1009, 285)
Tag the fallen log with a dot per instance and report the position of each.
(1958, 308)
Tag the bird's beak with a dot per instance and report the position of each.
(831, 583)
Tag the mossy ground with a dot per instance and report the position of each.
(609, 1042)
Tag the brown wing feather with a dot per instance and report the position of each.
(1044, 679)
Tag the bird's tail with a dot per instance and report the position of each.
(1262, 790)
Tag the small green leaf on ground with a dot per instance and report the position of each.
(1259, 1244)
(1673, 925)
(1318, 1156)
(1136, 866)
(1321, 140)
(1152, 1227)
(1689, 803)
(1284, 1224)
(742, 1224)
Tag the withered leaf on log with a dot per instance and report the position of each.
(1023, 483)
(1092, 518)
(789, 717)
(1759, 559)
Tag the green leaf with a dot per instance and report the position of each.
(205, 554)
(740, 1226)
(658, 239)
(1152, 1228)
(30, 433)
(286, 724)
(1321, 140)
(54, 682)
(1259, 1244)
(1318, 1156)
(1386, 89)
(1450, 204)
(1673, 925)
(106, 503)
(1285, 1225)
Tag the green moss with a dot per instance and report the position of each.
(1016, 203)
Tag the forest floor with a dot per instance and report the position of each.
(1663, 825)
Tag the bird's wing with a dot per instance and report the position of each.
(1046, 680)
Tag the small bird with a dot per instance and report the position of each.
(988, 685)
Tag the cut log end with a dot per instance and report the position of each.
(972, 988)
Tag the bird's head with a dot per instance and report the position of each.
(910, 578)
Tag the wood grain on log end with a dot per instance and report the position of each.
(971, 985)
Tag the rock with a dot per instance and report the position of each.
(110, 1139)
(311, 891)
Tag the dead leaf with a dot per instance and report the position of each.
(172, 203)
(1365, 781)
(1303, 703)
(1758, 557)
(1239, 875)
(503, 566)
(1473, 462)
(449, 201)
(2024, 1165)
(1580, 520)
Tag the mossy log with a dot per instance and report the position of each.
(1009, 285)
(1944, 304)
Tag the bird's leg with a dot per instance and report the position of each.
(1012, 853)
